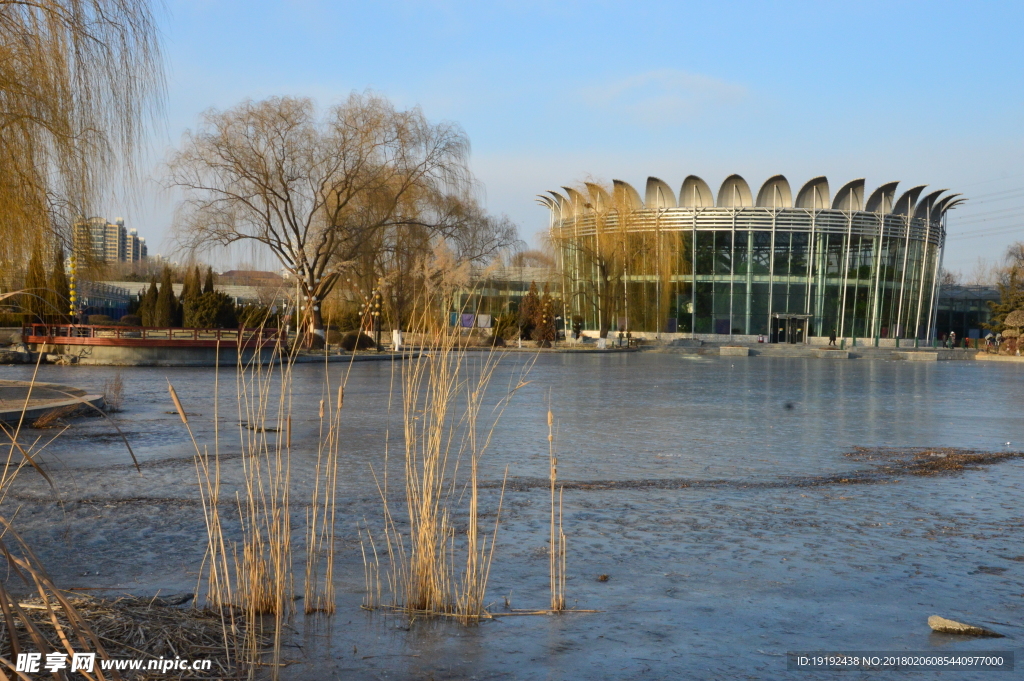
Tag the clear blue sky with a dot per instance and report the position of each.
(552, 92)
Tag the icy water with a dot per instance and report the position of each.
(689, 487)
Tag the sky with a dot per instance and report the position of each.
(552, 93)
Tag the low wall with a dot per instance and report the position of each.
(153, 356)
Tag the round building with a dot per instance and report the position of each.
(772, 265)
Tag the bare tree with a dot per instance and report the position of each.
(949, 277)
(78, 82)
(329, 196)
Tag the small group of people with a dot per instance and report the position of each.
(949, 341)
(993, 342)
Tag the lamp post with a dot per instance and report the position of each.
(375, 309)
(72, 295)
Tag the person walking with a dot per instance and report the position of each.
(832, 337)
(952, 339)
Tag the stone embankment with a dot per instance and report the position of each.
(734, 349)
(22, 400)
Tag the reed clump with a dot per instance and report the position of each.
(253, 577)
(113, 393)
(422, 574)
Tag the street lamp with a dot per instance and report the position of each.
(375, 309)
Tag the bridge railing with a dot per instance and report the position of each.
(92, 334)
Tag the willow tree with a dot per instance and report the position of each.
(609, 241)
(598, 278)
(328, 194)
(79, 80)
(393, 259)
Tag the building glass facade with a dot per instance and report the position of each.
(751, 268)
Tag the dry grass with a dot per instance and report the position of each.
(55, 417)
(113, 392)
(253, 577)
(133, 628)
(420, 574)
(320, 518)
(60, 627)
(556, 541)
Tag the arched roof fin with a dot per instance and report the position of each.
(775, 193)
(924, 206)
(599, 196)
(695, 193)
(580, 203)
(814, 195)
(881, 200)
(941, 204)
(564, 206)
(626, 196)
(735, 193)
(659, 194)
(850, 196)
(908, 199)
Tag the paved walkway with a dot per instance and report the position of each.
(44, 397)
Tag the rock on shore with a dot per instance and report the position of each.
(944, 626)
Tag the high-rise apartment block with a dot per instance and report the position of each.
(104, 241)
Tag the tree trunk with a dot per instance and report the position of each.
(315, 335)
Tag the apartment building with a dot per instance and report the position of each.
(103, 241)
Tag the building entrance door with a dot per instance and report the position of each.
(789, 328)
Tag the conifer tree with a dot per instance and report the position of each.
(1011, 288)
(208, 284)
(35, 301)
(529, 311)
(190, 293)
(544, 332)
(148, 305)
(166, 307)
(60, 290)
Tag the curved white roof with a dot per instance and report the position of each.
(775, 193)
(659, 194)
(850, 196)
(881, 199)
(695, 193)
(814, 195)
(626, 196)
(735, 193)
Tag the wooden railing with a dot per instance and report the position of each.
(129, 336)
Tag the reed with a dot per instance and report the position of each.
(556, 539)
(421, 547)
(113, 392)
(62, 628)
(254, 575)
(320, 518)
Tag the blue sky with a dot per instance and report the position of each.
(550, 93)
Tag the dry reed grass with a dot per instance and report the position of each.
(253, 576)
(136, 628)
(556, 540)
(113, 392)
(60, 627)
(420, 574)
(319, 593)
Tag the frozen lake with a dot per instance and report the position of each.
(716, 580)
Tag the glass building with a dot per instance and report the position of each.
(744, 265)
